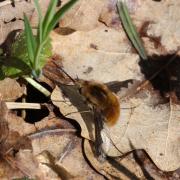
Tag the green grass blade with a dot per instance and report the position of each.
(30, 40)
(38, 8)
(59, 14)
(49, 15)
(130, 29)
(134, 32)
(39, 34)
(40, 31)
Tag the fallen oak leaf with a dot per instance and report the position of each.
(10, 89)
(143, 114)
(72, 157)
(11, 17)
(3, 124)
(60, 150)
(51, 140)
(83, 17)
(124, 168)
(70, 111)
(141, 126)
(114, 53)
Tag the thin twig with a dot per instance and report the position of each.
(19, 105)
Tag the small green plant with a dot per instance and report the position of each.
(131, 29)
(30, 52)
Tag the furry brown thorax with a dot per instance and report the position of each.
(102, 98)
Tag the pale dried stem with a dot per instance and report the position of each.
(19, 105)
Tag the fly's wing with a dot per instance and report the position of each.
(99, 123)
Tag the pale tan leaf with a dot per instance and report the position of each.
(59, 151)
(84, 15)
(73, 157)
(93, 53)
(143, 124)
(17, 123)
(52, 141)
(11, 17)
(71, 111)
(160, 35)
(165, 28)
(10, 90)
(125, 168)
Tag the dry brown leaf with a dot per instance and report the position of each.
(10, 90)
(87, 15)
(151, 126)
(17, 123)
(72, 160)
(134, 165)
(63, 153)
(110, 16)
(165, 29)
(26, 163)
(93, 53)
(72, 111)
(160, 35)
(125, 168)
(12, 140)
(11, 17)
(46, 163)
(13, 130)
(7, 172)
(145, 123)
(32, 166)
(84, 15)
(4, 130)
(104, 54)
(52, 141)
(52, 123)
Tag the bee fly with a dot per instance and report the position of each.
(104, 103)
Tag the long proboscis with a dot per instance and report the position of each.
(73, 80)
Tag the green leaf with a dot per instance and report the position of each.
(19, 51)
(45, 53)
(131, 29)
(2, 74)
(38, 8)
(13, 67)
(40, 30)
(1, 51)
(30, 40)
(49, 16)
(35, 51)
(59, 14)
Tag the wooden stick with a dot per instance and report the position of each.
(19, 105)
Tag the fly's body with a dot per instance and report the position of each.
(102, 98)
(105, 104)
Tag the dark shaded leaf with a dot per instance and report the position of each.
(13, 67)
